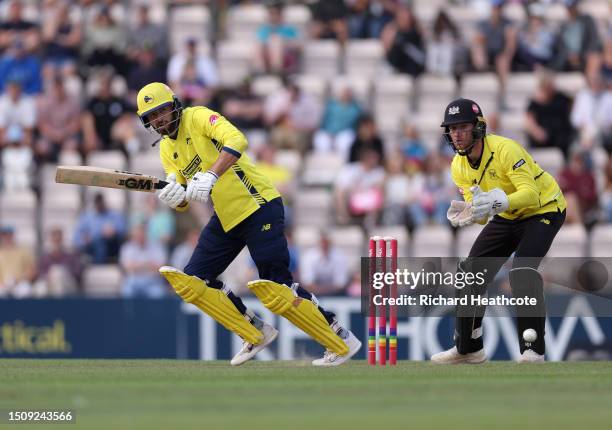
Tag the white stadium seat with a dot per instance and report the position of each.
(102, 280)
(234, 58)
(244, 20)
(432, 241)
(313, 208)
(321, 168)
(364, 57)
(360, 85)
(321, 58)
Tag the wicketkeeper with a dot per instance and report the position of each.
(523, 209)
(204, 157)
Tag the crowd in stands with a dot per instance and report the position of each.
(70, 70)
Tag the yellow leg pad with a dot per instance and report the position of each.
(212, 302)
(301, 312)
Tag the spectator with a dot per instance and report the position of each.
(579, 42)
(329, 20)
(17, 120)
(445, 49)
(412, 147)
(182, 253)
(548, 117)
(433, 190)
(145, 70)
(278, 50)
(147, 35)
(494, 46)
(17, 266)
(107, 122)
(59, 123)
(367, 138)
(105, 43)
(358, 193)
(606, 67)
(578, 185)
(191, 89)
(323, 269)
(338, 125)
(16, 28)
(159, 222)
(281, 177)
(293, 115)
(368, 17)
(61, 37)
(536, 41)
(59, 269)
(244, 108)
(606, 196)
(592, 114)
(205, 67)
(18, 65)
(404, 43)
(140, 259)
(398, 194)
(99, 232)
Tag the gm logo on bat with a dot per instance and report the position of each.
(136, 184)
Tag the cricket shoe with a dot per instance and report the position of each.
(249, 350)
(332, 359)
(530, 356)
(452, 356)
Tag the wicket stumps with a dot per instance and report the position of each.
(377, 253)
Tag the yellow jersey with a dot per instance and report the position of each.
(202, 135)
(505, 164)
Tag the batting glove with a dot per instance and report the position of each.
(172, 194)
(200, 186)
(460, 213)
(486, 204)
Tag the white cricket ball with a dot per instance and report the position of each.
(530, 335)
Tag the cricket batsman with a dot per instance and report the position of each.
(523, 209)
(204, 158)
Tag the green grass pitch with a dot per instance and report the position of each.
(168, 394)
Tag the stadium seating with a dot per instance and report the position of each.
(571, 241)
(234, 59)
(364, 57)
(102, 280)
(432, 241)
(321, 58)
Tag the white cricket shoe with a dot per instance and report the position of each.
(249, 350)
(530, 356)
(332, 359)
(452, 356)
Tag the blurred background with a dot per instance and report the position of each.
(341, 101)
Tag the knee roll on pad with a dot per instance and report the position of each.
(303, 313)
(212, 302)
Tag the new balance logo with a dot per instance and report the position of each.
(266, 227)
(453, 110)
(545, 221)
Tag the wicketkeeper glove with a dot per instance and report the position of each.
(486, 204)
(460, 213)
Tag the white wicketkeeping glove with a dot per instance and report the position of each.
(172, 194)
(200, 186)
(486, 204)
(460, 213)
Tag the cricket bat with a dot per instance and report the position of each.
(108, 178)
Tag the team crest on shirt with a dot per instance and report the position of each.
(213, 119)
(492, 174)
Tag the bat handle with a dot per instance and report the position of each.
(161, 184)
